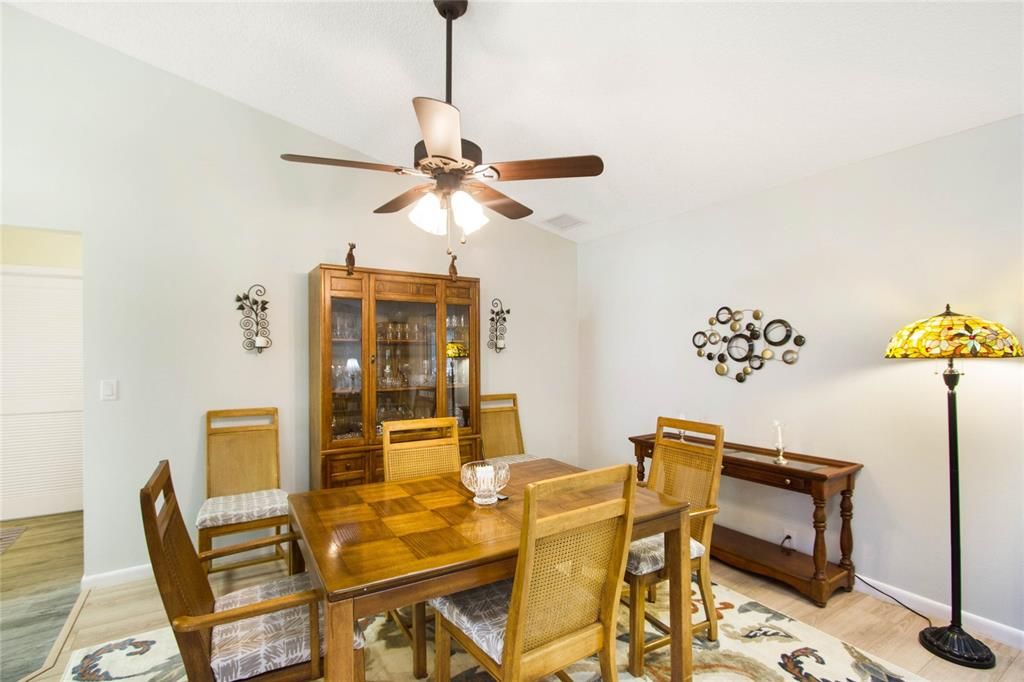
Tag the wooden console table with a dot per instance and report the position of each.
(818, 477)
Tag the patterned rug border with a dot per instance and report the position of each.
(756, 643)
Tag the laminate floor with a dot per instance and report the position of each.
(878, 627)
(40, 576)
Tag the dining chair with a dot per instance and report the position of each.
(414, 448)
(243, 485)
(562, 605)
(261, 632)
(687, 471)
(500, 431)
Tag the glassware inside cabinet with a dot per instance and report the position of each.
(457, 349)
(346, 374)
(406, 361)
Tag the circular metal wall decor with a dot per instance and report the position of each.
(742, 336)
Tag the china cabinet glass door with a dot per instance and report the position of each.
(346, 371)
(458, 349)
(406, 361)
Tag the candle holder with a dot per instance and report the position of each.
(485, 479)
(781, 459)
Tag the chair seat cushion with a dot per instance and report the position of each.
(481, 613)
(256, 645)
(262, 504)
(647, 555)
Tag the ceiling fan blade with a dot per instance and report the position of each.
(496, 201)
(299, 158)
(539, 169)
(405, 198)
(440, 126)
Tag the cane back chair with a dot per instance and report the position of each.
(500, 431)
(262, 632)
(436, 451)
(686, 471)
(243, 479)
(563, 603)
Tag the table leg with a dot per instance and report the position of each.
(339, 659)
(820, 550)
(296, 562)
(638, 451)
(846, 534)
(677, 555)
(419, 640)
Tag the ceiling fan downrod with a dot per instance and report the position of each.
(450, 10)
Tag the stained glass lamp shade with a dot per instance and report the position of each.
(949, 336)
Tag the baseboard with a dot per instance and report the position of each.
(976, 625)
(118, 577)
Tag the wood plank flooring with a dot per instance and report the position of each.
(878, 627)
(40, 576)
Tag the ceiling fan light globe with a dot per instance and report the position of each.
(469, 215)
(428, 215)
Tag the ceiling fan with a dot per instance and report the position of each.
(455, 190)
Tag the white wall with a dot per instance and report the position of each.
(847, 256)
(183, 203)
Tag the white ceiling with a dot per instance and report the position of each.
(688, 104)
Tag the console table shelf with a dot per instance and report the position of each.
(818, 477)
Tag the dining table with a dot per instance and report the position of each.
(376, 547)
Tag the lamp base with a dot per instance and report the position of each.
(955, 645)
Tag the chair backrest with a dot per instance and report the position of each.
(572, 557)
(689, 471)
(183, 585)
(241, 451)
(436, 451)
(500, 432)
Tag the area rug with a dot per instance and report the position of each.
(754, 643)
(8, 536)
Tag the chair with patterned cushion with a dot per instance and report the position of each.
(262, 632)
(563, 603)
(243, 479)
(689, 471)
(414, 448)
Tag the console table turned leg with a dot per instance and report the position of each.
(846, 534)
(820, 551)
(641, 454)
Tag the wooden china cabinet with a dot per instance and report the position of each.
(386, 345)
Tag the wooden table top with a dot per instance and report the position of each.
(369, 538)
(739, 454)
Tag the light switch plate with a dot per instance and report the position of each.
(108, 389)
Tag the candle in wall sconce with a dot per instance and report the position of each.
(780, 446)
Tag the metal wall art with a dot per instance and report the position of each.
(751, 344)
(499, 320)
(254, 322)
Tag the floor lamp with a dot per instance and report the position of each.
(949, 336)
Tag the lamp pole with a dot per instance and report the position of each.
(952, 642)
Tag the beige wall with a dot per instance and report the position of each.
(848, 257)
(40, 248)
(182, 202)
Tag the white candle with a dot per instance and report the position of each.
(485, 478)
(778, 435)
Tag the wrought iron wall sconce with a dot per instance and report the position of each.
(751, 344)
(254, 323)
(499, 321)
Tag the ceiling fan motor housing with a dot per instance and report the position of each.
(472, 156)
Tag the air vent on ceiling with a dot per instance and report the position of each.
(564, 221)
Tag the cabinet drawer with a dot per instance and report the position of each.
(344, 470)
(765, 477)
(340, 283)
(403, 289)
(458, 292)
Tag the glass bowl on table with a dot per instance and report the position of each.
(485, 479)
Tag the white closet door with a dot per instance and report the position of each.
(40, 391)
